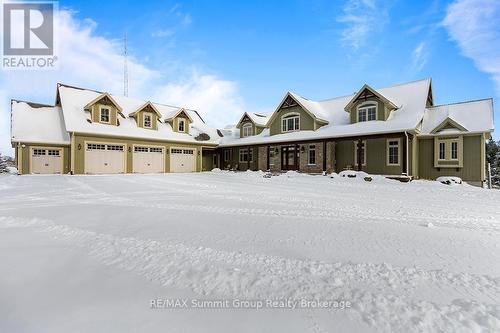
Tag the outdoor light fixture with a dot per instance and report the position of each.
(129, 149)
(302, 149)
(276, 150)
(79, 146)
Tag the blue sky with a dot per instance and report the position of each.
(226, 57)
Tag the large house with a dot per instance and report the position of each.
(391, 131)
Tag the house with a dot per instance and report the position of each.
(390, 131)
(92, 132)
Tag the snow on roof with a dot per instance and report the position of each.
(474, 116)
(260, 119)
(410, 98)
(38, 123)
(73, 101)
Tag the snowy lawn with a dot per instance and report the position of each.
(93, 253)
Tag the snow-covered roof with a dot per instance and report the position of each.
(38, 123)
(73, 100)
(410, 99)
(259, 119)
(473, 116)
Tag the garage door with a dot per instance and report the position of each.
(182, 160)
(148, 159)
(46, 161)
(104, 158)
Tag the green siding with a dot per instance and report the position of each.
(306, 120)
(382, 113)
(246, 123)
(471, 170)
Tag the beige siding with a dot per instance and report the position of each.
(79, 166)
(24, 154)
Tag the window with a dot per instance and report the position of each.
(176, 151)
(227, 155)
(290, 123)
(138, 149)
(247, 130)
(104, 115)
(271, 156)
(95, 146)
(156, 150)
(363, 153)
(115, 147)
(147, 120)
(181, 125)
(38, 152)
(53, 152)
(188, 151)
(312, 155)
(442, 151)
(367, 113)
(393, 152)
(454, 150)
(246, 155)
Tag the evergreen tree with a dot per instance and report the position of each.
(493, 157)
(3, 164)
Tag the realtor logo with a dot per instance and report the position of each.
(28, 35)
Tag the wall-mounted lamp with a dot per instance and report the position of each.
(302, 149)
(79, 146)
(23, 146)
(276, 150)
(129, 149)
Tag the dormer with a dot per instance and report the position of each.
(248, 126)
(180, 121)
(369, 105)
(104, 110)
(147, 116)
(293, 114)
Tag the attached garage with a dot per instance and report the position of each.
(46, 160)
(148, 159)
(182, 160)
(103, 158)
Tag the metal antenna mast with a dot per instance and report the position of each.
(125, 66)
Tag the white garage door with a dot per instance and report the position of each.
(182, 160)
(148, 159)
(46, 161)
(104, 158)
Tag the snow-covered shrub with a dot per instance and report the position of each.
(3, 164)
(355, 174)
(448, 180)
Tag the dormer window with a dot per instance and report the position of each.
(247, 130)
(367, 112)
(104, 115)
(181, 125)
(148, 120)
(290, 122)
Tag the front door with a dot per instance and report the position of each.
(289, 158)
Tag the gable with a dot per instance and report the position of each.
(448, 124)
(368, 96)
(307, 122)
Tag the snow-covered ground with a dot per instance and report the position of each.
(93, 253)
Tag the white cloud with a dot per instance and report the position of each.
(89, 60)
(362, 18)
(473, 24)
(420, 56)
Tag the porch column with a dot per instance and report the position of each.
(404, 157)
(325, 156)
(267, 161)
(248, 157)
(358, 153)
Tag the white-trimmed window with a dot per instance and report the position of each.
(363, 153)
(148, 123)
(227, 155)
(271, 156)
(104, 115)
(312, 155)
(454, 150)
(247, 130)
(181, 124)
(246, 155)
(393, 152)
(367, 112)
(442, 150)
(290, 122)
